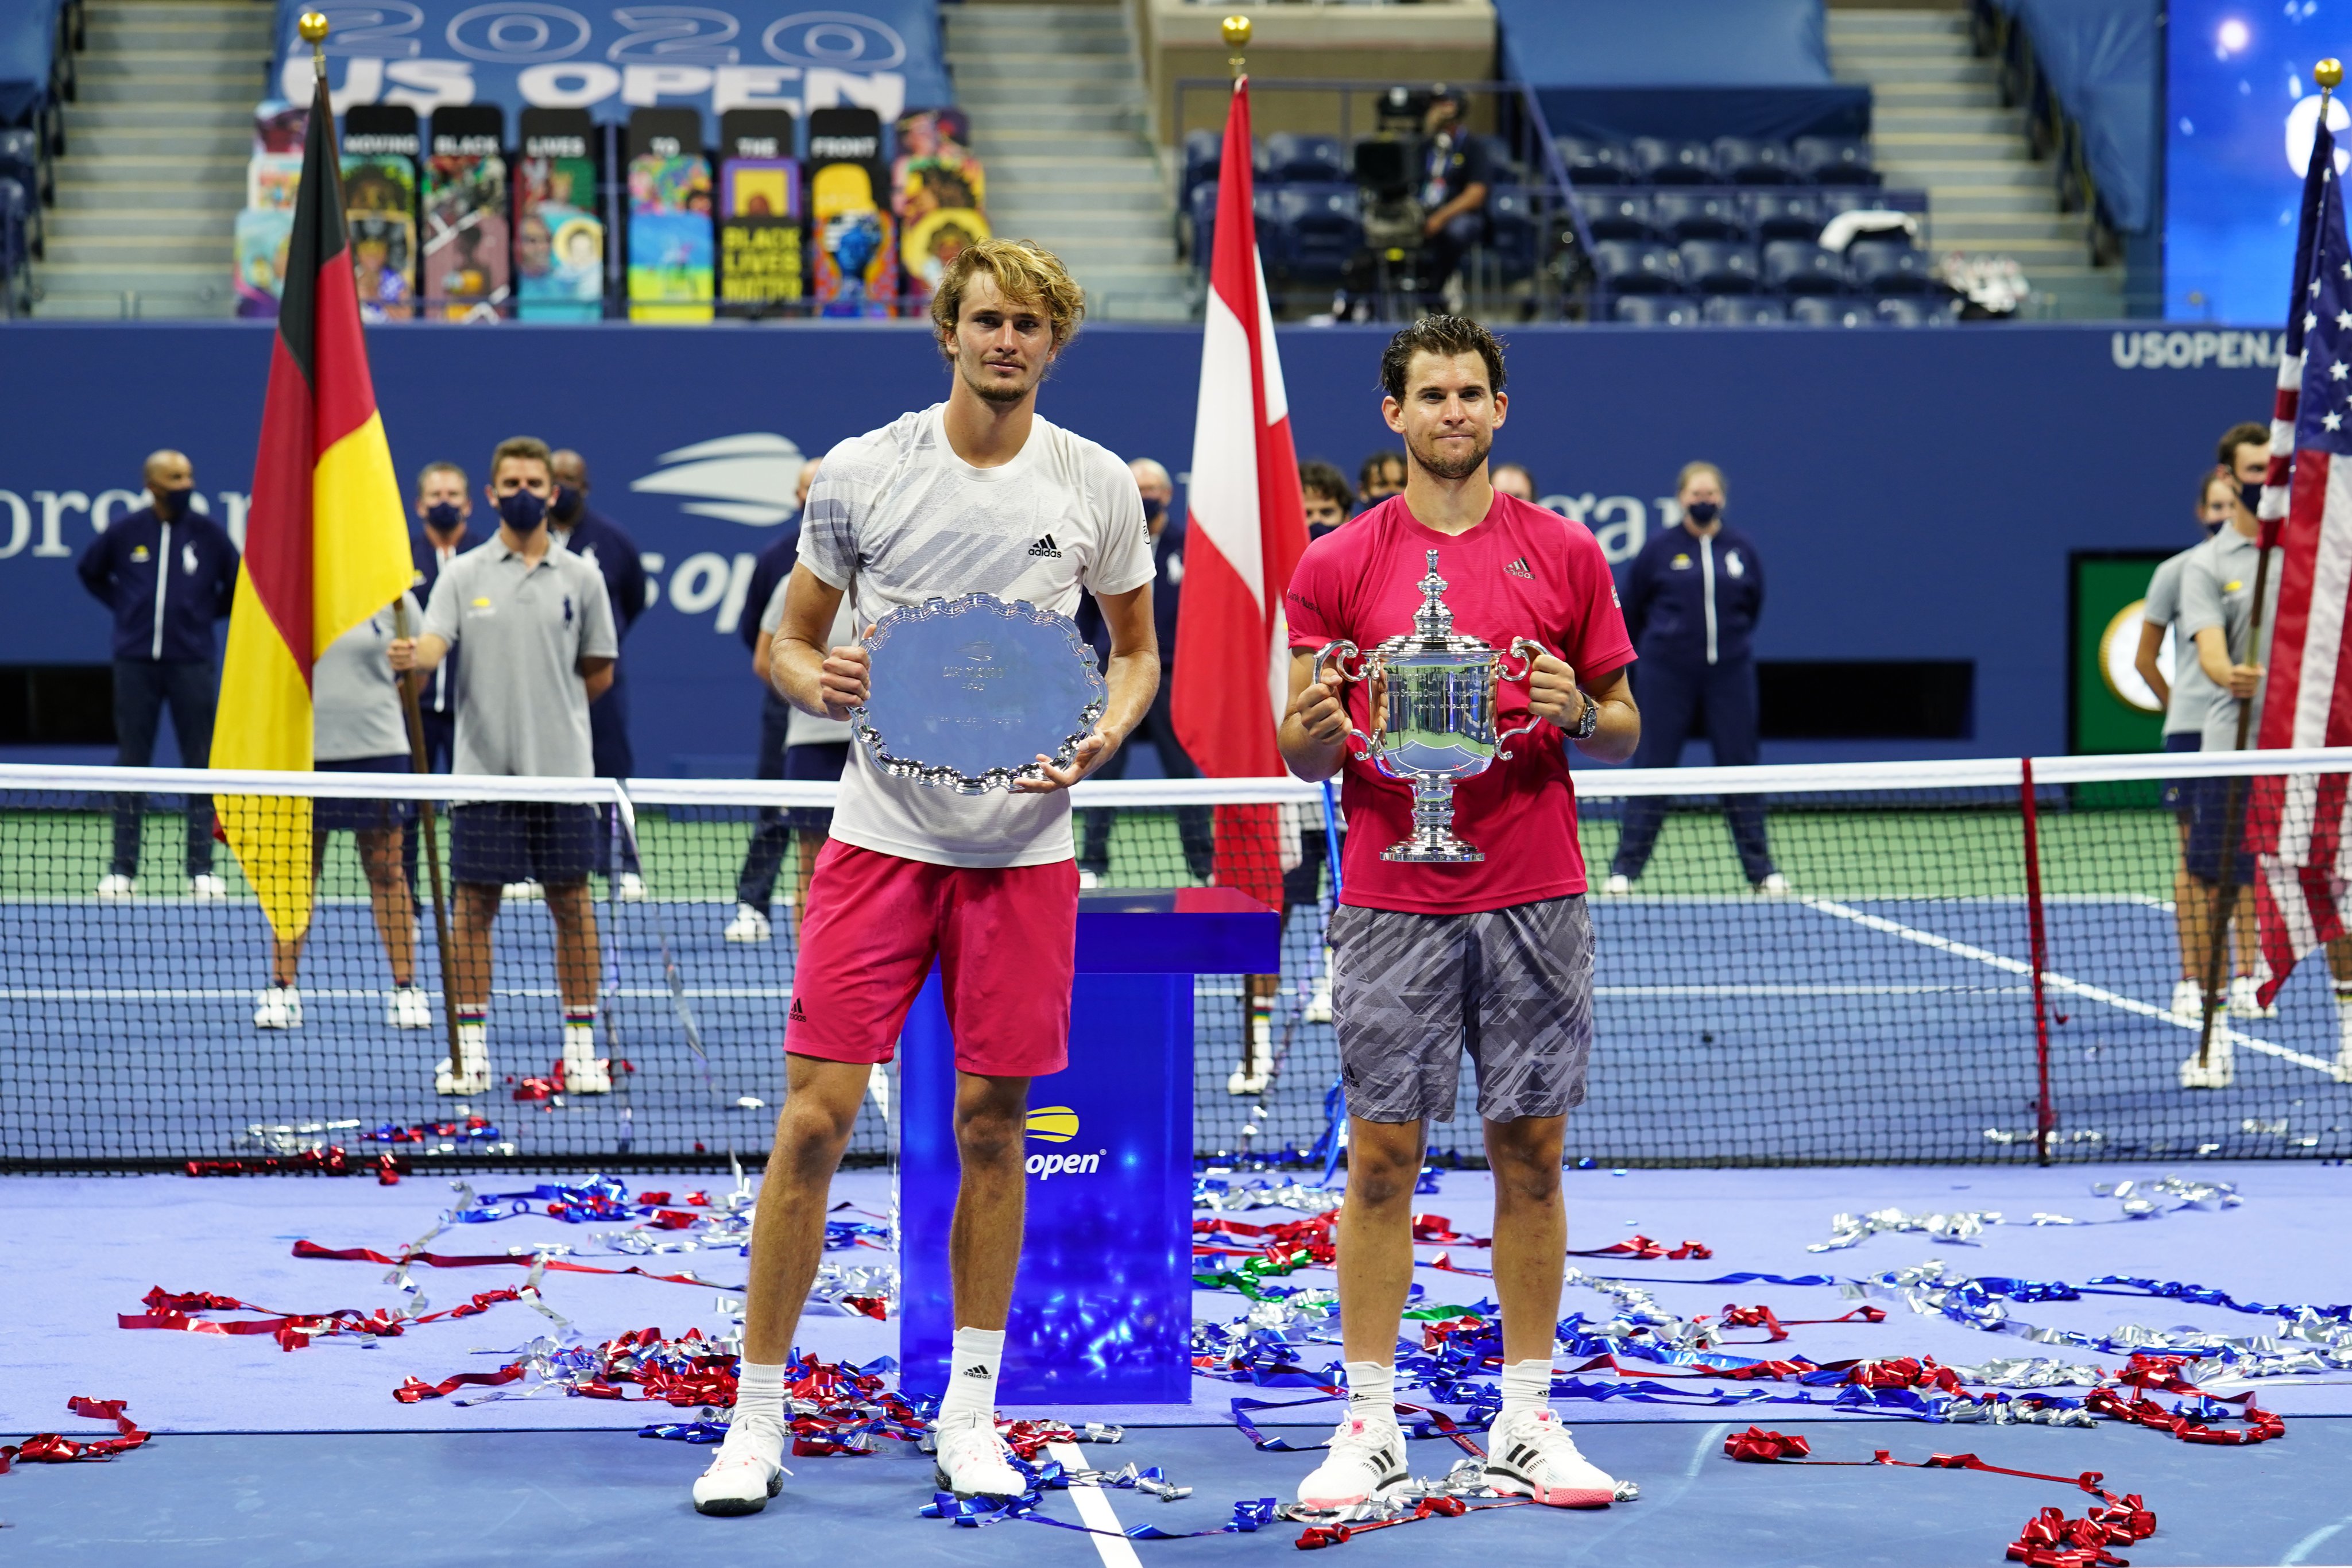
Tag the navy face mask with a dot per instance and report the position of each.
(567, 504)
(2251, 498)
(444, 518)
(1703, 512)
(522, 511)
(172, 504)
(1153, 508)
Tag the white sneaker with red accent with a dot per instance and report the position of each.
(1535, 1457)
(1366, 1458)
(973, 1461)
(747, 1469)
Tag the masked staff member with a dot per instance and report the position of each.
(538, 629)
(598, 540)
(1691, 604)
(444, 513)
(167, 572)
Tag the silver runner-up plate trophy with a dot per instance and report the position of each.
(966, 694)
(1438, 726)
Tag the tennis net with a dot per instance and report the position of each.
(1893, 1003)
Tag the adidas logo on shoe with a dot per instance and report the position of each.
(1518, 568)
(1047, 548)
(799, 1014)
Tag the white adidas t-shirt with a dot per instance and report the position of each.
(896, 517)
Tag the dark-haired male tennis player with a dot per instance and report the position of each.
(1494, 956)
(974, 494)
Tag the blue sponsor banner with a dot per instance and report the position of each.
(1914, 494)
(882, 54)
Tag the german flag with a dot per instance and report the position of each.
(326, 542)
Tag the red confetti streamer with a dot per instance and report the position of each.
(55, 1448)
(487, 1261)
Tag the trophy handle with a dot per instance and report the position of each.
(1525, 650)
(1337, 655)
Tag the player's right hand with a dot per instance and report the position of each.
(841, 679)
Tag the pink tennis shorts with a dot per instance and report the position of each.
(1005, 940)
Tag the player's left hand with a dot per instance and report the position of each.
(1551, 690)
(1092, 753)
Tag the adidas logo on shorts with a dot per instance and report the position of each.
(1518, 568)
(1047, 547)
(799, 1014)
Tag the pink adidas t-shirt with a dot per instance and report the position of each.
(1521, 572)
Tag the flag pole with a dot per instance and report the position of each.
(2329, 75)
(1236, 32)
(427, 819)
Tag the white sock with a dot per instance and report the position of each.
(1527, 1385)
(973, 1361)
(760, 1399)
(1371, 1391)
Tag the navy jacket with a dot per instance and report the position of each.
(603, 540)
(198, 583)
(1167, 584)
(774, 565)
(1691, 602)
(438, 698)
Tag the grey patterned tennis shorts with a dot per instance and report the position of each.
(1513, 987)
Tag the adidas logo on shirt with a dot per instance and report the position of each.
(1047, 548)
(1518, 568)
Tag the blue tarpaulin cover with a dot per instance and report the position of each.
(2101, 57)
(1703, 69)
(28, 31)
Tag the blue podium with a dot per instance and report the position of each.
(1103, 1311)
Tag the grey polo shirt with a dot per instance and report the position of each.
(2217, 588)
(2192, 691)
(522, 708)
(354, 696)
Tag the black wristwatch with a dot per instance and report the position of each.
(1590, 721)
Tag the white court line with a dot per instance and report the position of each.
(2054, 981)
(1761, 990)
(246, 993)
(1094, 1511)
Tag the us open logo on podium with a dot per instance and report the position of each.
(1059, 1125)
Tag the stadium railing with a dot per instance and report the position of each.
(1972, 961)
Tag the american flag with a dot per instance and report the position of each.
(2298, 822)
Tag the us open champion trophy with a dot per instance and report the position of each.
(1439, 724)
(966, 694)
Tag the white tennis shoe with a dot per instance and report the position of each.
(407, 1009)
(584, 1073)
(2189, 1002)
(633, 888)
(748, 926)
(747, 1469)
(1365, 1460)
(114, 887)
(208, 888)
(2242, 999)
(1774, 886)
(973, 1461)
(1535, 1457)
(279, 1007)
(1617, 886)
(473, 1074)
(2218, 1071)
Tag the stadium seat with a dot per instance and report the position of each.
(21, 161)
(1513, 235)
(1692, 214)
(1290, 159)
(14, 279)
(1719, 267)
(1887, 266)
(1745, 163)
(1655, 310)
(1834, 159)
(1595, 162)
(1800, 267)
(1503, 161)
(1617, 215)
(1914, 310)
(1744, 309)
(1636, 266)
(1204, 224)
(1812, 311)
(1663, 163)
(1323, 228)
(1202, 149)
(1786, 214)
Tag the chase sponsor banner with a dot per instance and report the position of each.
(882, 54)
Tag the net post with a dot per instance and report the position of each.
(2045, 1118)
(426, 813)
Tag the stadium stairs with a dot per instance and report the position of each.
(1937, 124)
(1056, 96)
(153, 174)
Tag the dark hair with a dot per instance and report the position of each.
(1446, 335)
(1323, 480)
(2211, 478)
(1368, 472)
(2237, 435)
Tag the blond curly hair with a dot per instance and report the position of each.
(1025, 272)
